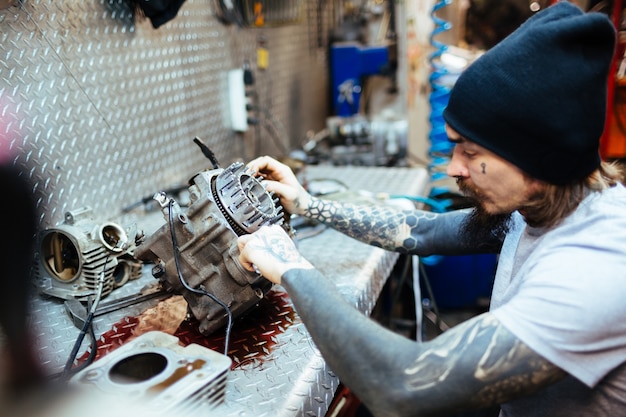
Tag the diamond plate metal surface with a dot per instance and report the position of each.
(99, 108)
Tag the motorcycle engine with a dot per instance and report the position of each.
(196, 250)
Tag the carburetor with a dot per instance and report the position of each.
(195, 253)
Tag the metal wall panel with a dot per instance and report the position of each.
(100, 109)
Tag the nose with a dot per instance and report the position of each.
(457, 167)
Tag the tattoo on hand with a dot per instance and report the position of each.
(281, 250)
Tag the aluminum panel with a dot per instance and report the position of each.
(100, 109)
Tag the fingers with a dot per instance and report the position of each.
(244, 254)
(255, 248)
(264, 164)
(270, 251)
(279, 179)
(279, 188)
(251, 250)
(271, 169)
(247, 254)
(242, 241)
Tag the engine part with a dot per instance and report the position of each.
(380, 140)
(225, 203)
(154, 371)
(389, 138)
(73, 255)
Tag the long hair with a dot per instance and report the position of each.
(555, 202)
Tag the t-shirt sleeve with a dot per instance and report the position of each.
(570, 305)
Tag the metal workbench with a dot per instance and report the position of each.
(277, 369)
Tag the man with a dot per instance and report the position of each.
(526, 119)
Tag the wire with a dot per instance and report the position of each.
(441, 326)
(93, 350)
(207, 152)
(279, 128)
(87, 327)
(417, 159)
(257, 127)
(271, 125)
(440, 146)
(399, 289)
(263, 118)
(229, 313)
(274, 134)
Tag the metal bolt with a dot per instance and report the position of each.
(158, 271)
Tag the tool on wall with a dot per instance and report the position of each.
(158, 11)
(228, 12)
(256, 13)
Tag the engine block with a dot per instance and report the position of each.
(198, 244)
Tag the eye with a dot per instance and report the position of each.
(469, 154)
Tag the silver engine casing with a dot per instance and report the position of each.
(225, 203)
(74, 255)
(159, 376)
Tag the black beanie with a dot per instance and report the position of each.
(538, 98)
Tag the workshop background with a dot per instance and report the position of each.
(101, 100)
(100, 107)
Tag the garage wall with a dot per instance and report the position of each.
(99, 109)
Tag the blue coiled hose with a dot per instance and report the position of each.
(440, 146)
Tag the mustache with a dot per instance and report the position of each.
(467, 190)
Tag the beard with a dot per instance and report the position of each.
(480, 227)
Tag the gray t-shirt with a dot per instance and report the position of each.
(562, 291)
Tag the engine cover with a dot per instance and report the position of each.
(225, 203)
(159, 374)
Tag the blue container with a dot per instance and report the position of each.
(460, 282)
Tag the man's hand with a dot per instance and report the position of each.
(280, 179)
(270, 252)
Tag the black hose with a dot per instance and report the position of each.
(195, 290)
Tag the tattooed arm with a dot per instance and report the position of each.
(474, 365)
(407, 231)
(415, 232)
